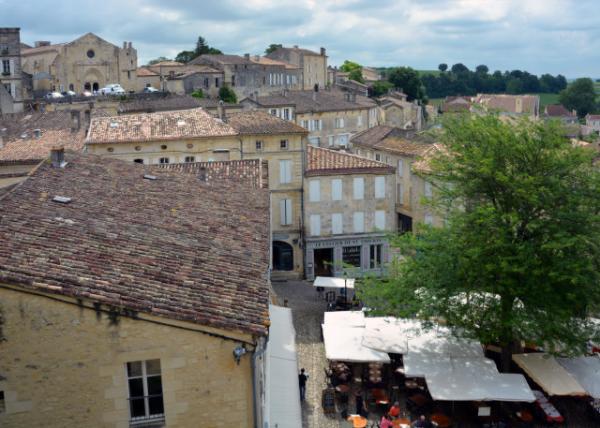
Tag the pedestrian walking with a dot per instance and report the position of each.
(302, 378)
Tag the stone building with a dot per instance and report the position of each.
(193, 78)
(147, 78)
(349, 207)
(397, 112)
(331, 117)
(132, 296)
(248, 75)
(504, 104)
(188, 136)
(405, 152)
(12, 91)
(86, 63)
(312, 64)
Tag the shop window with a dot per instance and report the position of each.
(375, 256)
(351, 256)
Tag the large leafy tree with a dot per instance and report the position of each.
(408, 80)
(202, 48)
(157, 60)
(226, 94)
(518, 259)
(272, 48)
(354, 70)
(579, 96)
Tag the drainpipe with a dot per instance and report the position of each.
(259, 351)
(301, 237)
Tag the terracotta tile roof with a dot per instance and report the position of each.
(42, 49)
(557, 110)
(190, 70)
(508, 103)
(174, 247)
(146, 72)
(251, 172)
(372, 136)
(167, 64)
(403, 146)
(300, 50)
(456, 104)
(423, 164)
(260, 122)
(269, 61)
(20, 142)
(160, 126)
(310, 101)
(320, 161)
(221, 59)
(593, 116)
(154, 103)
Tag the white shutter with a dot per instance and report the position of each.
(336, 189)
(380, 220)
(12, 68)
(380, 187)
(359, 120)
(282, 214)
(314, 190)
(400, 167)
(359, 188)
(285, 171)
(358, 220)
(285, 208)
(315, 224)
(400, 195)
(428, 219)
(341, 122)
(428, 190)
(330, 140)
(336, 223)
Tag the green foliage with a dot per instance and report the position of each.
(354, 71)
(408, 80)
(197, 93)
(157, 60)
(356, 75)
(580, 96)
(519, 257)
(272, 48)
(227, 95)
(202, 48)
(379, 88)
(443, 67)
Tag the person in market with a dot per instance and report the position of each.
(302, 378)
(394, 411)
(361, 407)
(422, 422)
(386, 422)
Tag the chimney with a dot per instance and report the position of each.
(220, 109)
(256, 58)
(323, 51)
(75, 120)
(124, 45)
(129, 45)
(247, 56)
(57, 156)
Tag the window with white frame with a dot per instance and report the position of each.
(336, 224)
(400, 168)
(339, 122)
(314, 190)
(358, 188)
(6, 66)
(428, 190)
(380, 220)
(286, 114)
(359, 120)
(428, 219)
(343, 139)
(336, 189)
(273, 112)
(190, 159)
(285, 171)
(283, 144)
(358, 222)
(375, 256)
(330, 140)
(145, 390)
(315, 224)
(377, 157)
(285, 207)
(163, 160)
(379, 187)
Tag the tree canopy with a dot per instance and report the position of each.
(354, 70)
(272, 48)
(579, 96)
(157, 60)
(443, 67)
(202, 48)
(519, 256)
(227, 95)
(408, 80)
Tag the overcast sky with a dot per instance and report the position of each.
(555, 36)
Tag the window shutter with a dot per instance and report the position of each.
(400, 167)
(285, 171)
(359, 188)
(428, 190)
(359, 222)
(315, 224)
(380, 220)
(12, 68)
(379, 187)
(336, 224)
(282, 212)
(336, 189)
(314, 190)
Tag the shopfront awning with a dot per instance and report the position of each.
(345, 318)
(388, 334)
(331, 282)
(343, 343)
(282, 392)
(548, 374)
(586, 371)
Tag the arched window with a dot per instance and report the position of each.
(283, 256)
(95, 86)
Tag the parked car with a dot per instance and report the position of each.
(87, 94)
(112, 89)
(53, 95)
(69, 94)
(150, 89)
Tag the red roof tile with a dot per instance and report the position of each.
(321, 161)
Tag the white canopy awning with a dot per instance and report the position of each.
(344, 343)
(345, 318)
(331, 282)
(586, 370)
(416, 365)
(548, 374)
(386, 334)
(282, 392)
(440, 341)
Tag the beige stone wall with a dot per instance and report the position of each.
(352, 124)
(144, 81)
(64, 365)
(315, 71)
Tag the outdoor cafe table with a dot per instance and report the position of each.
(401, 423)
(357, 421)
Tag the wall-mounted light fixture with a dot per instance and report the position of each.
(239, 352)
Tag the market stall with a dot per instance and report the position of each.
(586, 371)
(548, 374)
(343, 343)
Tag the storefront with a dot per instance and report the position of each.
(356, 255)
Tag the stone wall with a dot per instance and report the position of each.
(64, 365)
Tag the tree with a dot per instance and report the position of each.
(272, 48)
(459, 68)
(408, 80)
(514, 86)
(518, 258)
(579, 96)
(443, 67)
(198, 93)
(482, 69)
(354, 70)
(379, 88)
(157, 60)
(185, 56)
(227, 95)
(202, 48)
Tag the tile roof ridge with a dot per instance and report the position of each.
(344, 153)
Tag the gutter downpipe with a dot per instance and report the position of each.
(259, 351)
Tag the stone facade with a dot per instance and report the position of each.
(86, 63)
(12, 91)
(396, 111)
(313, 64)
(63, 364)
